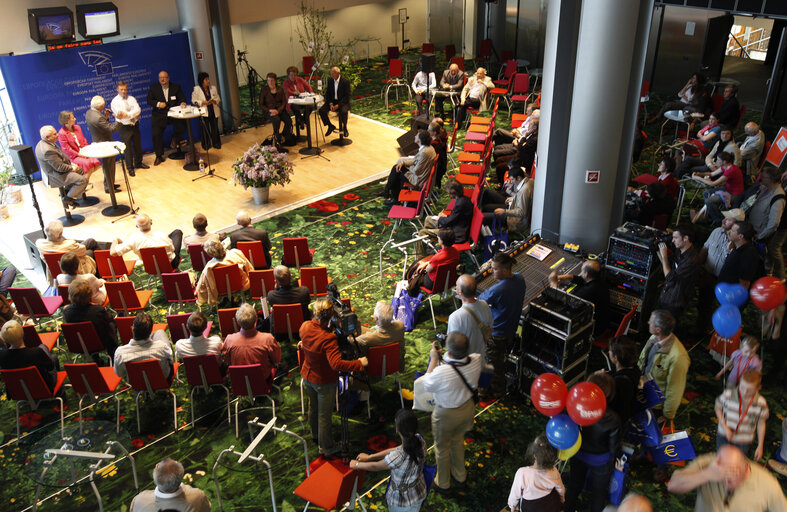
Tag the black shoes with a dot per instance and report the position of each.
(346, 133)
(69, 202)
(158, 160)
(106, 188)
(131, 172)
(331, 129)
(143, 166)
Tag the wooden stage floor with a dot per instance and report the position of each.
(168, 194)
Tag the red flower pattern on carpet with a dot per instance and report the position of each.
(30, 419)
(324, 206)
(351, 197)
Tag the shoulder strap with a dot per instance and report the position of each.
(477, 321)
(776, 198)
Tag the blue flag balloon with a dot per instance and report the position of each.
(738, 294)
(727, 320)
(723, 293)
(562, 432)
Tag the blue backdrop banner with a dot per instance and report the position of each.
(40, 85)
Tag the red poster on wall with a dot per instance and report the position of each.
(778, 149)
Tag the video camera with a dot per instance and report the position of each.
(345, 322)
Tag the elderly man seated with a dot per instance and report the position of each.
(207, 288)
(197, 344)
(248, 233)
(58, 168)
(170, 492)
(14, 354)
(146, 237)
(81, 309)
(146, 344)
(286, 293)
(250, 346)
(453, 80)
(201, 234)
(411, 169)
(752, 148)
(474, 94)
(56, 242)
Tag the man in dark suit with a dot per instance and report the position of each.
(285, 293)
(101, 130)
(163, 96)
(15, 355)
(458, 220)
(247, 233)
(59, 170)
(337, 99)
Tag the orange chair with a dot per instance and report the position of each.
(53, 263)
(251, 381)
(30, 303)
(125, 326)
(261, 282)
(255, 253)
(147, 377)
(384, 361)
(82, 339)
(178, 328)
(286, 319)
(155, 262)
(227, 322)
(27, 385)
(199, 258)
(91, 381)
(33, 338)
(123, 296)
(444, 281)
(178, 289)
(228, 281)
(316, 280)
(296, 252)
(113, 268)
(203, 372)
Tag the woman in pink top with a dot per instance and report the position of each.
(717, 199)
(72, 141)
(538, 487)
(294, 85)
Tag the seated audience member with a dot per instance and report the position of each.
(742, 359)
(472, 318)
(407, 490)
(736, 427)
(286, 293)
(457, 221)
(711, 260)
(72, 140)
(15, 355)
(321, 362)
(686, 97)
(386, 331)
(680, 271)
(7, 276)
(589, 285)
(752, 148)
(623, 356)
(170, 492)
(766, 214)
(58, 169)
(82, 309)
(525, 154)
(146, 237)
(474, 94)
(294, 86)
(439, 142)
(707, 137)
(503, 139)
(730, 110)
(726, 192)
(667, 176)
(538, 486)
(728, 481)
(248, 233)
(200, 235)
(725, 144)
(55, 242)
(505, 298)
(453, 80)
(197, 344)
(744, 264)
(145, 344)
(250, 346)
(411, 169)
(207, 288)
(656, 204)
(516, 208)
(420, 84)
(424, 272)
(595, 459)
(69, 264)
(273, 103)
(665, 359)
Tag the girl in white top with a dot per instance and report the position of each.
(538, 486)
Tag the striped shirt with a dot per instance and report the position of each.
(743, 430)
(407, 486)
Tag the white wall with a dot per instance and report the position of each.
(273, 45)
(140, 18)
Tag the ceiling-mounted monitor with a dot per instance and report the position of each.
(98, 20)
(51, 25)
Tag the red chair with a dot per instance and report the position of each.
(331, 485)
(411, 195)
(255, 253)
(156, 262)
(203, 372)
(474, 234)
(444, 281)
(509, 70)
(506, 55)
(82, 339)
(29, 302)
(484, 52)
(519, 91)
(62, 291)
(178, 328)
(765, 150)
(53, 263)
(393, 53)
(91, 381)
(111, 267)
(227, 322)
(450, 52)
(229, 281)
(459, 61)
(296, 252)
(251, 381)
(146, 376)
(286, 319)
(308, 63)
(27, 385)
(33, 338)
(178, 289)
(384, 361)
(623, 328)
(717, 100)
(517, 120)
(123, 296)
(261, 282)
(398, 213)
(316, 280)
(427, 48)
(126, 328)
(199, 258)
(395, 81)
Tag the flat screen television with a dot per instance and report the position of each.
(98, 20)
(51, 25)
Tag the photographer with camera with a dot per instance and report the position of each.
(680, 270)
(321, 363)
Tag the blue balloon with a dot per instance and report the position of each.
(723, 293)
(562, 432)
(727, 320)
(739, 294)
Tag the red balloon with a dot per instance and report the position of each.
(767, 293)
(586, 403)
(548, 393)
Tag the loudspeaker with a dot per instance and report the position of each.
(419, 122)
(427, 63)
(24, 160)
(407, 144)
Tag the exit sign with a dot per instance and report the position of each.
(592, 176)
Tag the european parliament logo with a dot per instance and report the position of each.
(101, 62)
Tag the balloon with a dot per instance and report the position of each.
(739, 294)
(567, 454)
(727, 320)
(562, 433)
(548, 393)
(586, 403)
(767, 293)
(723, 293)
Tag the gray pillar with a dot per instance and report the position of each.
(225, 63)
(195, 20)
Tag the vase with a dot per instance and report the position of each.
(260, 194)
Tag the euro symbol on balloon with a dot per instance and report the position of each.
(669, 450)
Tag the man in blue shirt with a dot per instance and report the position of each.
(505, 299)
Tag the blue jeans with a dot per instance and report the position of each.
(321, 399)
(6, 280)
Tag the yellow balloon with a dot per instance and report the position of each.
(567, 454)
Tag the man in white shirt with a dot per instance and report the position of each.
(201, 234)
(712, 257)
(147, 238)
(470, 318)
(454, 406)
(146, 344)
(197, 344)
(419, 88)
(127, 111)
(752, 148)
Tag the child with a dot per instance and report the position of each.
(539, 485)
(740, 411)
(745, 358)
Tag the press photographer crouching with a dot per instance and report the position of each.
(320, 366)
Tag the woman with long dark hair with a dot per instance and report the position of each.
(407, 488)
(206, 95)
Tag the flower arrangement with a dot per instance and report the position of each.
(262, 166)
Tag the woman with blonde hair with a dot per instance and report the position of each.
(207, 291)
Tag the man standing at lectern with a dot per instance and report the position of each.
(101, 130)
(163, 96)
(337, 99)
(127, 111)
